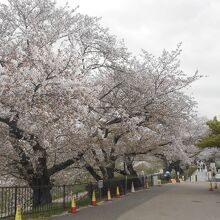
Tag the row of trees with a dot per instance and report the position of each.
(72, 95)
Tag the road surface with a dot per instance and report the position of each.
(182, 201)
(201, 175)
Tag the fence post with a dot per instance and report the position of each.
(16, 196)
(64, 196)
(144, 181)
(151, 179)
(126, 184)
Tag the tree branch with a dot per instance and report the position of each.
(58, 167)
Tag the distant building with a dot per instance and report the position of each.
(217, 164)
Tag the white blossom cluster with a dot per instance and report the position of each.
(71, 94)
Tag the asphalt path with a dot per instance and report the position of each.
(182, 201)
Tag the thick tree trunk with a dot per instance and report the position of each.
(35, 172)
(40, 183)
(41, 187)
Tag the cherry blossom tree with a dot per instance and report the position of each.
(183, 151)
(140, 107)
(49, 56)
(71, 94)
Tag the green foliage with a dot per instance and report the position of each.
(173, 174)
(151, 170)
(146, 169)
(190, 171)
(213, 139)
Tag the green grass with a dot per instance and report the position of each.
(147, 170)
(163, 181)
(43, 213)
(69, 190)
(79, 188)
(84, 201)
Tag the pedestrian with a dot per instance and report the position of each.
(198, 166)
(213, 175)
(201, 165)
(209, 175)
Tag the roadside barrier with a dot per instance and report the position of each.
(18, 215)
(93, 203)
(132, 187)
(109, 198)
(117, 192)
(61, 196)
(73, 208)
(173, 180)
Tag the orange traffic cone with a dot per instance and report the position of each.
(109, 198)
(216, 186)
(132, 187)
(117, 193)
(73, 209)
(93, 198)
(210, 186)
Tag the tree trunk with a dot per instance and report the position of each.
(176, 166)
(129, 164)
(41, 187)
(93, 173)
(41, 196)
(35, 172)
(110, 172)
(104, 172)
(131, 169)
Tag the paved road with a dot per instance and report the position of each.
(182, 201)
(201, 175)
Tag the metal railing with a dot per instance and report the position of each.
(59, 197)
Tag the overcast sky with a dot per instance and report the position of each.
(157, 24)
